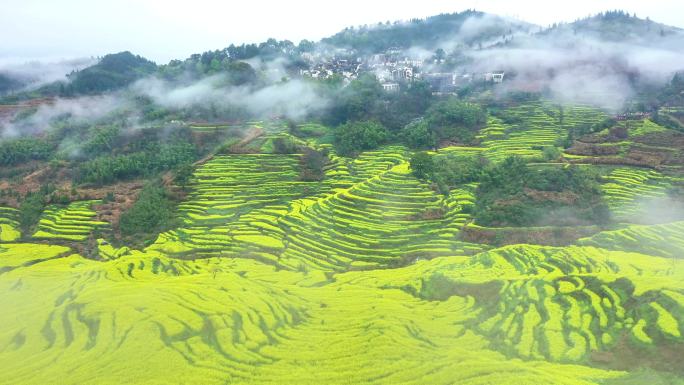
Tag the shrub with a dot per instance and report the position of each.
(550, 153)
(352, 138)
(284, 145)
(451, 170)
(151, 214)
(21, 150)
(111, 168)
(456, 119)
(32, 207)
(418, 135)
(312, 165)
(511, 194)
(422, 165)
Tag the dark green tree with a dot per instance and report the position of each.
(422, 165)
(456, 120)
(355, 137)
(418, 135)
(151, 213)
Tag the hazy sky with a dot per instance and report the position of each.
(165, 29)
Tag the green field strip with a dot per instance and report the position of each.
(665, 240)
(9, 224)
(74, 222)
(629, 190)
(150, 319)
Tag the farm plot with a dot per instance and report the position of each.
(227, 188)
(150, 319)
(666, 240)
(372, 163)
(238, 201)
(629, 190)
(563, 304)
(384, 221)
(565, 319)
(9, 224)
(581, 116)
(535, 128)
(73, 222)
(230, 185)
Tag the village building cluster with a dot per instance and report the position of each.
(393, 69)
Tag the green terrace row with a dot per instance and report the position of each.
(536, 128)
(576, 116)
(377, 222)
(628, 190)
(538, 125)
(564, 303)
(270, 125)
(237, 196)
(460, 203)
(371, 163)
(230, 185)
(74, 222)
(567, 318)
(666, 240)
(233, 196)
(9, 224)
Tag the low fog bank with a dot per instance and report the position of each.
(581, 68)
(82, 110)
(659, 210)
(27, 75)
(294, 99)
(585, 67)
(603, 61)
(272, 95)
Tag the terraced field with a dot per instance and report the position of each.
(630, 192)
(536, 129)
(385, 221)
(532, 127)
(9, 225)
(666, 240)
(224, 190)
(152, 319)
(74, 222)
(269, 125)
(360, 278)
(369, 212)
(571, 310)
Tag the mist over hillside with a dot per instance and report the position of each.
(605, 60)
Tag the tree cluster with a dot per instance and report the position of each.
(113, 72)
(151, 214)
(111, 168)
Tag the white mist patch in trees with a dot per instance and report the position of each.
(486, 30)
(494, 26)
(594, 87)
(294, 99)
(657, 64)
(419, 53)
(475, 26)
(272, 71)
(83, 109)
(36, 73)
